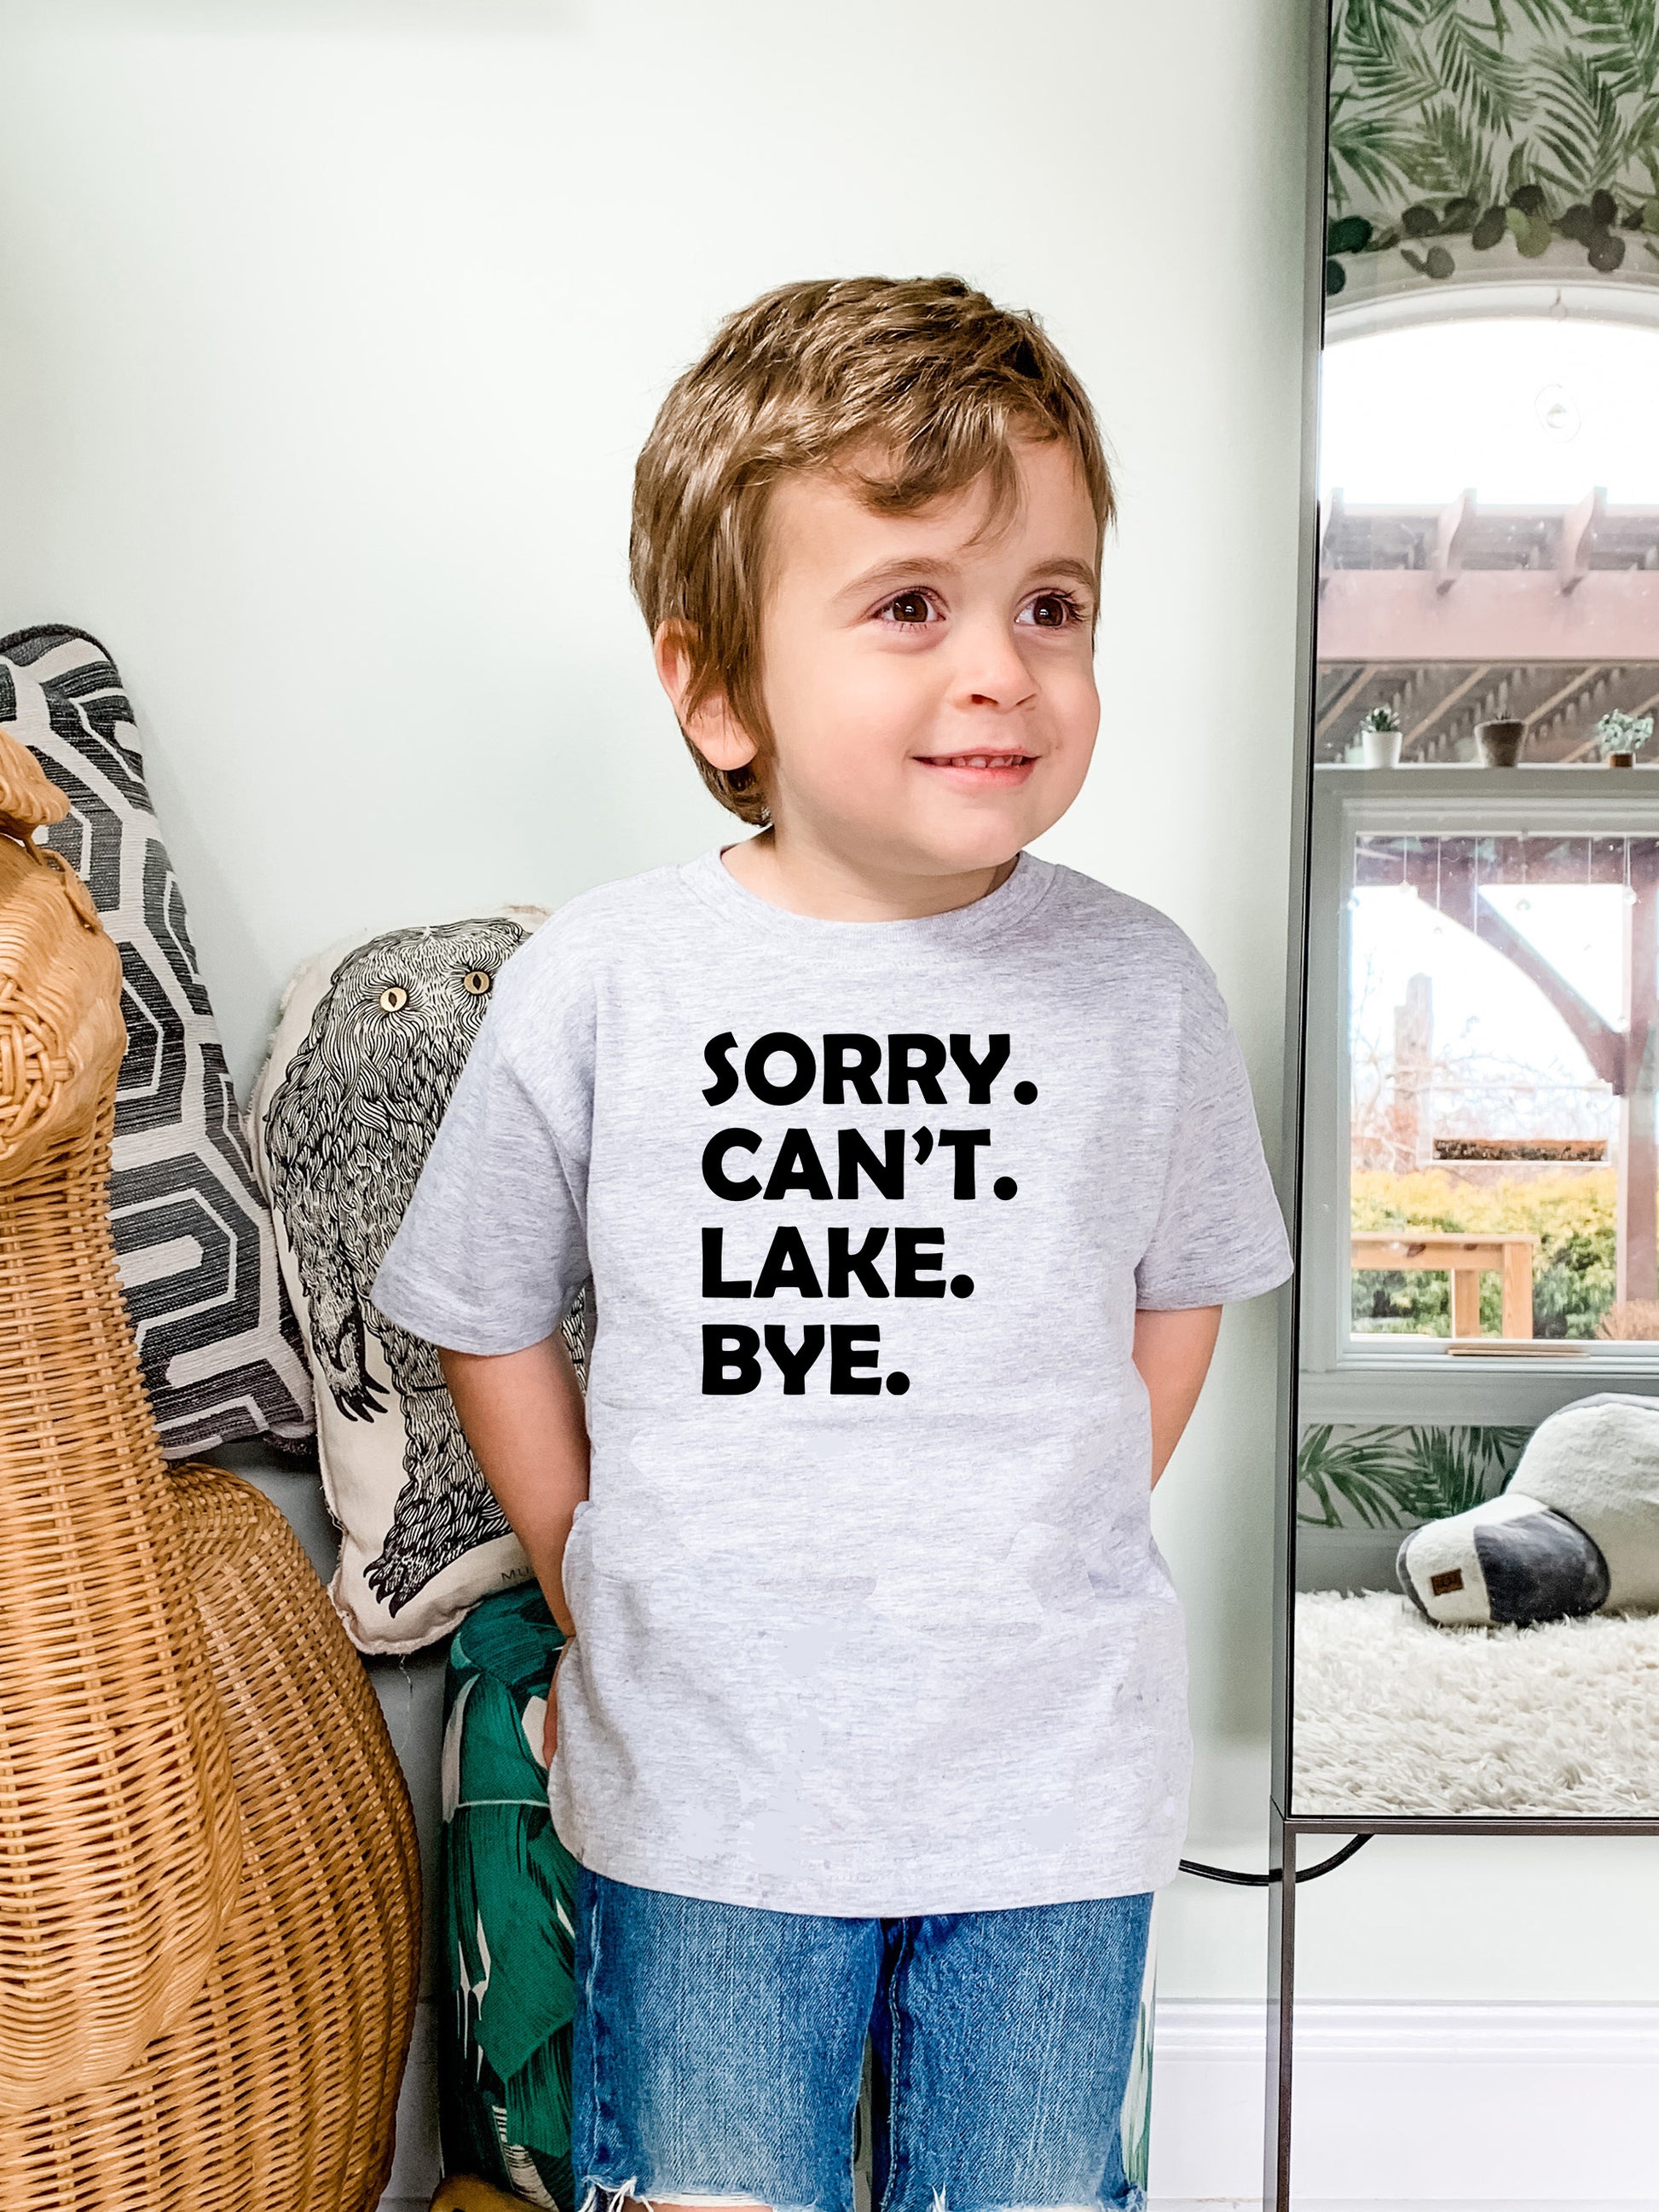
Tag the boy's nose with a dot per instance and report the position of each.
(990, 670)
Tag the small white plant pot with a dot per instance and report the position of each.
(1380, 748)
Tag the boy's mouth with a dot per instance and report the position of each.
(979, 770)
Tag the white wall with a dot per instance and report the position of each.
(331, 327)
(332, 332)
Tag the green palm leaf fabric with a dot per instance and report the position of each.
(1493, 127)
(508, 1904)
(1395, 1477)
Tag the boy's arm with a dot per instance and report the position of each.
(1172, 1350)
(522, 1413)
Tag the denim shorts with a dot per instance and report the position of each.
(719, 2051)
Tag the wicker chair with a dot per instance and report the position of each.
(208, 1888)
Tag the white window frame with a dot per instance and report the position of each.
(1349, 1379)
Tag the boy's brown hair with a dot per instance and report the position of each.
(924, 379)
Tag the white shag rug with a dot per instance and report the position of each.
(1395, 1715)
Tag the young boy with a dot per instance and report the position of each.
(911, 1174)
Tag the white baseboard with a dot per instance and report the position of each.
(1505, 2107)
(1433, 2104)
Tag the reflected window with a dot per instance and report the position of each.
(1489, 536)
(1501, 1002)
(1483, 938)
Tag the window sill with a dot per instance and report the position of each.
(1413, 1383)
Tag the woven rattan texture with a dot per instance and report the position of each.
(27, 800)
(278, 2094)
(120, 1837)
(61, 1032)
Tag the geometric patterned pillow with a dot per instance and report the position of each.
(220, 1352)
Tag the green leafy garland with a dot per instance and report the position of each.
(1530, 119)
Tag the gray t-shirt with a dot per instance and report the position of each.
(870, 1620)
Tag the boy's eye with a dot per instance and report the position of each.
(909, 608)
(1052, 611)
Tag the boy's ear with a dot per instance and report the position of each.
(711, 725)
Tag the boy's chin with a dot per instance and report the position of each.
(965, 848)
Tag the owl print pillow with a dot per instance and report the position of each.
(368, 1044)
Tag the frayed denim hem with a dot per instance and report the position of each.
(618, 2196)
(1132, 2199)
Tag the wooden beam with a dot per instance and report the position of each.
(1604, 1046)
(1505, 615)
(1578, 539)
(1451, 889)
(1479, 676)
(1451, 530)
(1344, 699)
(1518, 1292)
(1580, 681)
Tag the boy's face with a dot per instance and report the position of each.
(929, 680)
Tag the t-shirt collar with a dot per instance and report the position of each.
(708, 878)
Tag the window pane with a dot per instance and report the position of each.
(1502, 1095)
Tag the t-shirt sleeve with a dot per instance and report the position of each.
(492, 1249)
(1220, 1234)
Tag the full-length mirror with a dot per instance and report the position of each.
(1477, 1537)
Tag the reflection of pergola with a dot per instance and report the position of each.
(1455, 614)
(1452, 874)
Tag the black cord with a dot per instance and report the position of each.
(1266, 1880)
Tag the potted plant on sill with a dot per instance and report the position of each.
(1380, 738)
(1498, 744)
(1621, 737)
